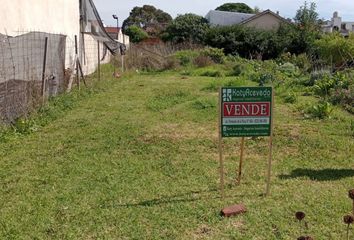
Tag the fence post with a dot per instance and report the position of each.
(44, 67)
(98, 61)
(76, 64)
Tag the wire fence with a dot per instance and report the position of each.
(35, 66)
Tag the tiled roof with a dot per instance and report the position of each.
(112, 29)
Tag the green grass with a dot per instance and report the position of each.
(138, 159)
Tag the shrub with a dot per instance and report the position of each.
(290, 97)
(320, 110)
(238, 69)
(25, 126)
(171, 63)
(323, 86)
(216, 54)
(289, 69)
(316, 75)
(202, 61)
(342, 96)
(335, 49)
(186, 57)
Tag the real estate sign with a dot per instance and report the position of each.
(246, 111)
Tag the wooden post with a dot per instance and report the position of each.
(221, 149)
(44, 67)
(122, 63)
(241, 160)
(98, 61)
(270, 147)
(76, 64)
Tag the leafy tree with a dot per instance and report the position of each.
(187, 27)
(235, 7)
(136, 34)
(148, 18)
(246, 42)
(306, 30)
(307, 17)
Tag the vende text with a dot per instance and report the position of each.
(246, 109)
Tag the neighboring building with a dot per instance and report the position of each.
(336, 24)
(115, 32)
(266, 20)
(69, 18)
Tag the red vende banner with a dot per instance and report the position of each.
(246, 109)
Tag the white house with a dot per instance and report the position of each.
(336, 24)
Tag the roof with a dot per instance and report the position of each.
(112, 29)
(224, 18)
(263, 13)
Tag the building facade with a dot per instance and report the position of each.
(336, 24)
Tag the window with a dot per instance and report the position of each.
(343, 27)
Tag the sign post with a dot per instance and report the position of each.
(245, 112)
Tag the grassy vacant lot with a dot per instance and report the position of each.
(137, 159)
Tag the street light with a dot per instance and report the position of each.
(115, 17)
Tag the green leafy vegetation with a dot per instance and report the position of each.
(186, 28)
(146, 19)
(235, 7)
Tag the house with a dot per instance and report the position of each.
(336, 24)
(117, 34)
(266, 20)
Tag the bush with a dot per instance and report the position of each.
(316, 75)
(25, 126)
(335, 49)
(289, 69)
(216, 54)
(323, 86)
(290, 97)
(186, 57)
(202, 61)
(171, 63)
(342, 96)
(238, 69)
(320, 110)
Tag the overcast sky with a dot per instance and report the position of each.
(287, 8)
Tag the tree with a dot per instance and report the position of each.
(307, 17)
(136, 34)
(245, 41)
(151, 20)
(235, 7)
(187, 27)
(307, 29)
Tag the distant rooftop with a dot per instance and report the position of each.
(223, 18)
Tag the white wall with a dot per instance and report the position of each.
(89, 56)
(52, 16)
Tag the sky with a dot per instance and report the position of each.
(286, 8)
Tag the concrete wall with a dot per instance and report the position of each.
(266, 22)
